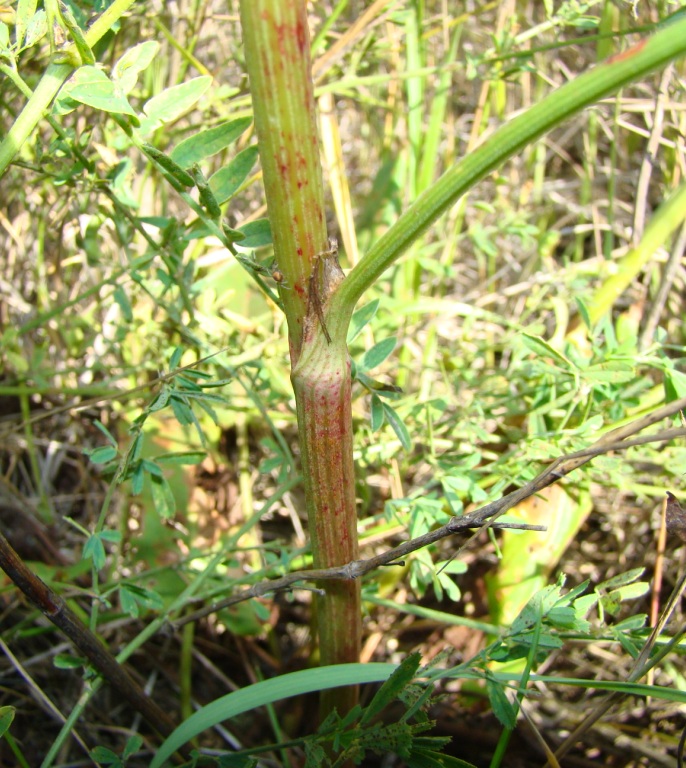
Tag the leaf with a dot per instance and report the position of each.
(67, 661)
(101, 455)
(122, 300)
(227, 180)
(207, 143)
(398, 426)
(108, 435)
(183, 457)
(125, 72)
(26, 10)
(182, 410)
(91, 86)
(612, 372)
(162, 497)
(36, 29)
(583, 313)
(675, 385)
(361, 318)
(175, 358)
(6, 718)
(377, 413)
(266, 692)
(390, 690)
(95, 551)
(540, 347)
(501, 705)
(131, 596)
(174, 101)
(257, 234)
(377, 354)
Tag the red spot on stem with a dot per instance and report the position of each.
(628, 53)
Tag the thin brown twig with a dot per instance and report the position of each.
(59, 613)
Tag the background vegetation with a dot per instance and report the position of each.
(149, 454)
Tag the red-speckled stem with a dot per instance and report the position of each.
(277, 52)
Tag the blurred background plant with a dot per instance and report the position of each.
(137, 348)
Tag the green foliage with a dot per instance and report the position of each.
(466, 349)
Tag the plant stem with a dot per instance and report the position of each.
(277, 51)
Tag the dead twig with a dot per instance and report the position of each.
(483, 518)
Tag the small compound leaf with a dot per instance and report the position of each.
(226, 181)
(207, 143)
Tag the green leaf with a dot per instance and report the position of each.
(162, 497)
(123, 302)
(361, 318)
(95, 551)
(101, 455)
(183, 457)
(36, 29)
(132, 63)
(174, 101)
(398, 426)
(131, 596)
(137, 480)
(6, 718)
(5, 40)
(175, 358)
(612, 372)
(182, 410)
(377, 354)
(67, 661)
(622, 579)
(106, 756)
(160, 401)
(257, 234)
(227, 180)
(583, 313)
(90, 85)
(541, 348)
(675, 385)
(207, 143)
(390, 690)
(377, 413)
(266, 692)
(501, 705)
(26, 10)
(108, 435)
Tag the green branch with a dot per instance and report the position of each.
(603, 80)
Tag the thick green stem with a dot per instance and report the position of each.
(277, 52)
